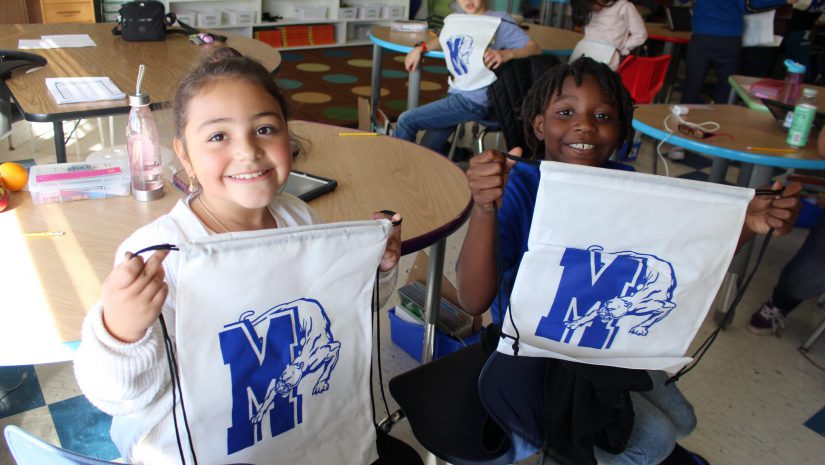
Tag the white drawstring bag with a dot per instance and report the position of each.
(621, 267)
(464, 39)
(274, 343)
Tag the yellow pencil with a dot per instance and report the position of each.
(44, 234)
(769, 149)
(344, 134)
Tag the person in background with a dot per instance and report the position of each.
(716, 40)
(440, 118)
(616, 22)
(802, 278)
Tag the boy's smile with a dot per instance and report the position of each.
(580, 125)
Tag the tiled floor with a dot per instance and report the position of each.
(759, 401)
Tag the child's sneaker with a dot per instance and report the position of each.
(767, 320)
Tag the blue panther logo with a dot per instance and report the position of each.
(297, 342)
(460, 47)
(610, 287)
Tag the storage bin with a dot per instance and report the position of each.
(271, 37)
(809, 214)
(111, 7)
(392, 11)
(238, 17)
(65, 182)
(322, 34)
(347, 12)
(369, 11)
(186, 17)
(110, 17)
(310, 12)
(208, 18)
(410, 337)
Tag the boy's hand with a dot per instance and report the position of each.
(393, 251)
(779, 213)
(412, 59)
(133, 296)
(495, 58)
(487, 176)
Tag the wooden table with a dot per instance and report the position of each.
(551, 39)
(749, 128)
(49, 283)
(740, 86)
(166, 63)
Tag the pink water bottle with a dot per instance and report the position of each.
(143, 147)
(793, 82)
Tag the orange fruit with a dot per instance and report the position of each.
(14, 176)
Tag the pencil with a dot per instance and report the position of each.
(344, 134)
(769, 149)
(44, 234)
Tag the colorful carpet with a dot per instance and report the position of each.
(324, 84)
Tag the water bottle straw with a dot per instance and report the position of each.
(141, 69)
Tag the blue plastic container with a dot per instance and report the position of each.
(809, 214)
(410, 337)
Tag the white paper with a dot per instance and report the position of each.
(68, 40)
(31, 43)
(83, 89)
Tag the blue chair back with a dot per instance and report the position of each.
(29, 450)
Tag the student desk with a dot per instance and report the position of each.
(49, 283)
(749, 128)
(166, 63)
(740, 86)
(674, 42)
(552, 40)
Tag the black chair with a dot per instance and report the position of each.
(506, 94)
(441, 401)
(11, 60)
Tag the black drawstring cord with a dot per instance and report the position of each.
(173, 371)
(726, 320)
(375, 310)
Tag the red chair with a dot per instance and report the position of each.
(643, 77)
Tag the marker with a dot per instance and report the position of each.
(45, 234)
(769, 149)
(345, 134)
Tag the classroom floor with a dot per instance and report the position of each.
(759, 401)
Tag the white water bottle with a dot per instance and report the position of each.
(143, 147)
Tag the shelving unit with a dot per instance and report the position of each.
(299, 23)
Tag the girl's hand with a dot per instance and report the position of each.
(393, 251)
(487, 176)
(779, 213)
(412, 59)
(133, 296)
(495, 58)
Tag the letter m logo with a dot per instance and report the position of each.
(589, 278)
(254, 365)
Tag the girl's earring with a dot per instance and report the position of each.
(193, 184)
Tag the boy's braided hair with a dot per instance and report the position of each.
(551, 82)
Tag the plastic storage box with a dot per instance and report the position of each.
(208, 18)
(65, 182)
(392, 11)
(186, 17)
(238, 17)
(410, 337)
(310, 12)
(369, 11)
(347, 12)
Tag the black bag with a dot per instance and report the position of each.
(142, 21)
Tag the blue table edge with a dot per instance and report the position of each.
(728, 154)
(439, 54)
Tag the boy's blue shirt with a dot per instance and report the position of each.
(514, 220)
(508, 36)
(725, 17)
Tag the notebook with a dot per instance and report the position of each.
(678, 19)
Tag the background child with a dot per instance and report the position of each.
(616, 22)
(232, 135)
(439, 118)
(576, 113)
